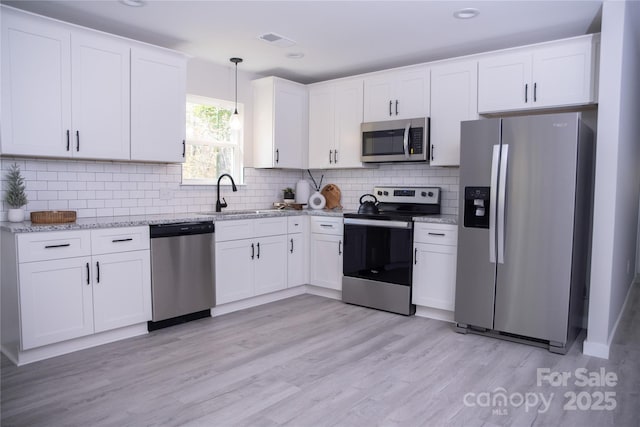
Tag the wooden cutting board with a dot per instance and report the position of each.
(332, 193)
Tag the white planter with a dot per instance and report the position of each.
(16, 215)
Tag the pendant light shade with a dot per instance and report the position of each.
(234, 123)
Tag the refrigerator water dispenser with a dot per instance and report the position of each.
(476, 207)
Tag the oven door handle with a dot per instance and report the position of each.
(379, 223)
(406, 140)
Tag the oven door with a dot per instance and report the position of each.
(378, 250)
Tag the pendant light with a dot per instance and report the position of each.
(234, 123)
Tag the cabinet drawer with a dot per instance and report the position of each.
(234, 230)
(112, 240)
(438, 234)
(53, 245)
(269, 226)
(295, 224)
(327, 225)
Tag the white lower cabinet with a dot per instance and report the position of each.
(248, 267)
(65, 290)
(56, 301)
(326, 252)
(434, 269)
(297, 251)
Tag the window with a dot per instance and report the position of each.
(212, 147)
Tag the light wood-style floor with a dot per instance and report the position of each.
(311, 361)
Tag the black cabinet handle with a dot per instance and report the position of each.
(535, 92)
(68, 140)
(432, 150)
(88, 272)
(184, 148)
(77, 140)
(526, 93)
(340, 247)
(277, 155)
(121, 240)
(63, 245)
(98, 275)
(415, 256)
(396, 107)
(436, 234)
(258, 255)
(390, 104)
(335, 156)
(253, 251)
(291, 250)
(330, 153)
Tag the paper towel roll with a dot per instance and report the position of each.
(317, 201)
(303, 191)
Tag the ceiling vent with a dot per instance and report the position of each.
(277, 40)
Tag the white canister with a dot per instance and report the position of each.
(317, 201)
(303, 191)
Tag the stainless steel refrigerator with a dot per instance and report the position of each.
(524, 228)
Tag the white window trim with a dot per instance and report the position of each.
(239, 159)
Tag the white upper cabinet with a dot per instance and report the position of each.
(100, 96)
(454, 98)
(398, 94)
(65, 93)
(280, 124)
(158, 105)
(555, 74)
(335, 115)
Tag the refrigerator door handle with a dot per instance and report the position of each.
(493, 197)
(502, 187)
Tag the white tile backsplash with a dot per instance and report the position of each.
(103, 188)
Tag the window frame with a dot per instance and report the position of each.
(238, 160)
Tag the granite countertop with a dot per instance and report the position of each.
(137, 220)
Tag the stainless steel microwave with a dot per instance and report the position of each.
(395, 141)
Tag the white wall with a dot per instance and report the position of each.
(617, 175)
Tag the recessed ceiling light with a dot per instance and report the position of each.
(466, 13)
(295, 55)
(133, 3)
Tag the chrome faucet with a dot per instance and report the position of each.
(223, 204)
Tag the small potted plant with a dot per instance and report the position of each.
(289, 195)
(15, 197)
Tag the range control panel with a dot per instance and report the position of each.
(414, 195)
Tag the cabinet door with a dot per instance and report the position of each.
(36, 86)
(321, 126)
(100, 96)
(55, 301)
(234, 270)
(504, 82)
(348, 117)
(378, 91)
(434, 276)
(297, 258)
(290, 126)
(326, 261)
(562, 74)
(411, 94)
(270, 264)
(454, 98)
(121, 289)
(158, 105)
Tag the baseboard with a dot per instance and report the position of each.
(256, 301)
(58, 349)
(323, 292)
(601, 350)
(434, 313)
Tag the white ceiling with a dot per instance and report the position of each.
(338, 38)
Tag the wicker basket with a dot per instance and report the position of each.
(52, 217)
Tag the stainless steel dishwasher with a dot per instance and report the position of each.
(182, 272)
